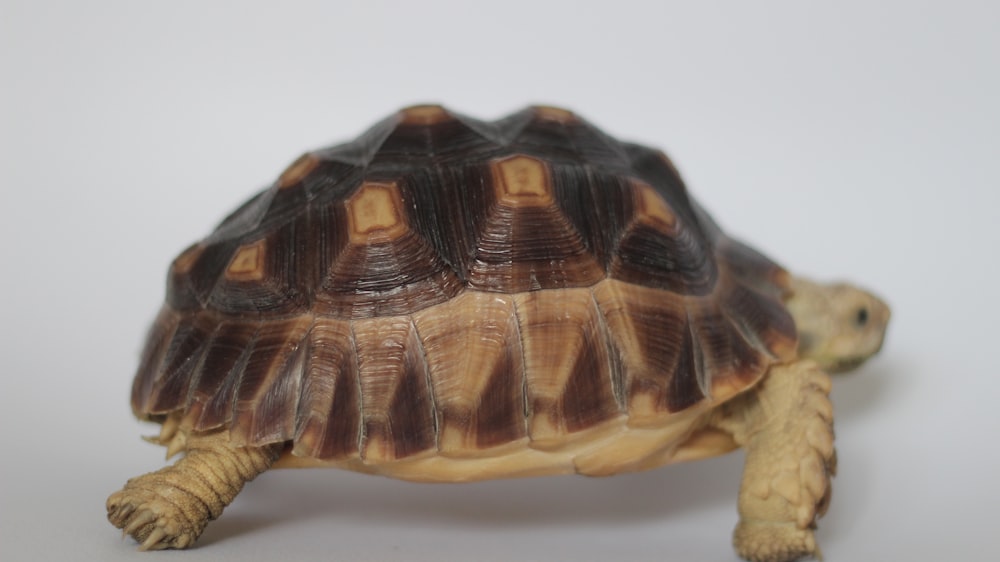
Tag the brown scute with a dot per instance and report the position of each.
(657, 248)
(158, 341)
(525, 247)
(213, 386)
(762, 318)
(380, 274)
(365, 267)
(474, 355)
(328, 418)
(397, 406)
(444, 284)
(187, 347)
(569, 376)
(650, 332)
(753, 268)
(728, 362)
(189, 288)
(652, 167)
(267, 397)
(267, 275)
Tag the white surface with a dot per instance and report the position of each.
(846, 139)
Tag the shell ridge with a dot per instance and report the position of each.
(702, 375)
(184, 354)
(367, 145)
(485, 129)
(225, 392)
(244, 219)
(418, 341)
(745, 331)
(277, 391)
(198, 370)
(615, 365)
(329, 395)
(511, 126)
(362, 433)
(525, 399)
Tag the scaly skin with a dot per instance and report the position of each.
(840, 326)
(169, 508)
(786, 426)
(786, 422)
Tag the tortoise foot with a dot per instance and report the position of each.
(774, 542)
(170, 508)
(152, 519)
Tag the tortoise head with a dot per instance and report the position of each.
(839, 325)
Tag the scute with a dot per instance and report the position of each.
(446, 286)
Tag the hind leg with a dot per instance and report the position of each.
(786, 426)
(169, 508)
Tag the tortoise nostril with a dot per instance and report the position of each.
(862, 317)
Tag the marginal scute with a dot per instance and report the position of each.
(158, 341)
(173, 379)
(268, 392)
(650, 332)
(570, 377)
(328, 416)
(474, 356)
(213, 386)
(397, 405)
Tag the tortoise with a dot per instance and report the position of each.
(446, 299)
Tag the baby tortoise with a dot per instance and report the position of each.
(448, 300)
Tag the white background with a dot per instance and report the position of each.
(855, 140)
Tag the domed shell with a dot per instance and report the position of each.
(443, 284)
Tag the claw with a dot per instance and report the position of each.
(153, 539)
(124, 511)
(113, 501)
(144, 518)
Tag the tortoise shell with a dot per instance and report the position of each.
(444, 285)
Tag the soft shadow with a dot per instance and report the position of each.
(287, 496)
(232, 525)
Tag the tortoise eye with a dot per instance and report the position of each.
(861, 319)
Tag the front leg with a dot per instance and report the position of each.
(786, 427)
(169, 508)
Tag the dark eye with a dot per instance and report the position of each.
(862, 317)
